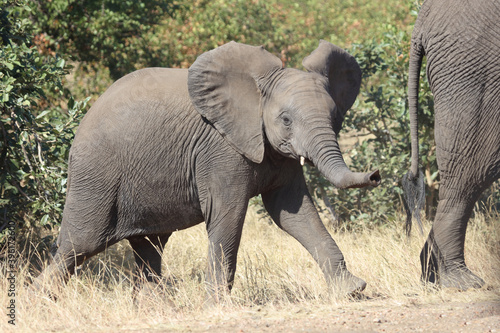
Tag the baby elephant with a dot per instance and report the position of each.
(165, 149)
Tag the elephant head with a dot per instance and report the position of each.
(249, 97)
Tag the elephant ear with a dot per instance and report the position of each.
(223, 87)
(342, 71)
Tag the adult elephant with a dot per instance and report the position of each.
(165, 149)
(461, 40)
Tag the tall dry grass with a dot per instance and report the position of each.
(274, 271)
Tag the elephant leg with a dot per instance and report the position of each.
(73, 249)
(292, 209)
(147, 252)
(224, 221)
(442, 257)
(467, 166)
(64, 263)
(87, 228)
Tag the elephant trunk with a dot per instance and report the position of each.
(329, 161)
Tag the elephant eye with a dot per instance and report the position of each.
(286, 119)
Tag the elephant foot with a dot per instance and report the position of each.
(49, 291)
(39, 290)
(460, 278)
(49, 284)
(456, 275)
(346, 284)
(217, 295)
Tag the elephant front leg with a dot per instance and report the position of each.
(292, 209)
(224, 220)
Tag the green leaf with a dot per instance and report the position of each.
(60, 63)
(42, 114)
(71, 104)
(44, 219)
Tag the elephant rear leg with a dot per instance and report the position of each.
(442, 257)
(468, 156)
(68, 256)
(87, 228)
(147, 252)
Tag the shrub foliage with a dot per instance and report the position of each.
(36, 127)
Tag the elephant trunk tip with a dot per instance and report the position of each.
(359, 180)
(374, 178)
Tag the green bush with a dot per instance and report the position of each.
(110, 33)
(36, 129)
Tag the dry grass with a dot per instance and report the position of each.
(274, 273)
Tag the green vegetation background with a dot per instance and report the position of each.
(58, 56)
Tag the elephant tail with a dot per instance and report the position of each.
(413, 199)
(413, 180)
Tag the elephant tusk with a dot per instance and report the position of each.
(302, 160)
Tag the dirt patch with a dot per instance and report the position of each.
(378, 316)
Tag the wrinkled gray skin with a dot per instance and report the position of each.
(461, 40)
(165, 149)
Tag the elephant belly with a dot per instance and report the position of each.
(156, 206)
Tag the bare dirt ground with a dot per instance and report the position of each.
(368, 316)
